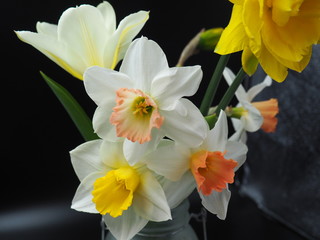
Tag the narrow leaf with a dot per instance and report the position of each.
(73, 108)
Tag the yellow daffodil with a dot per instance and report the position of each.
(278, 34)
(86, 36)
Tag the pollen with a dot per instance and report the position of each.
(113, 193)
(141, 107)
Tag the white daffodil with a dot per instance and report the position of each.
(211, 165)
(86, 36)
(143, 101)
(249, 115)
(128, 196)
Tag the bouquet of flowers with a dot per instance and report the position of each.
(148, 147)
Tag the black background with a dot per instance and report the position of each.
(37, 179)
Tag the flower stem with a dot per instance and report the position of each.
(227, 97)
(213, 85)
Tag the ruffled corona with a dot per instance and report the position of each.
(113, 193)
(135, 115)
(212, 171)
(268, 109)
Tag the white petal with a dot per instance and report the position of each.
(169, 160)
(85, 158)
(255, 90)
(101, 123)
(218, 136)
(149, 200)
(47, 29)
(112, 154)
(82, 201)
(217, 202)
(240, 93)
(109, 17)
(125, 226)
(119, 42)
(240, 135)
(178, 191)
(253, 120)
(134, 151)
(174, 83)
(236, 151)
(102, 83)
(143, 62)
(55, 51)
(83, 29)
(189, 129)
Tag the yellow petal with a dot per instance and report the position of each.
(233, 38)
(249, 61)
(272, 67)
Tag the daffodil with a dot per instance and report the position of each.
(249, 115)
(128, 196)
(143, 101)
(211, 166)
(86, 36)
(277, 33)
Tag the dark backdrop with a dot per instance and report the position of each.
(37, 179)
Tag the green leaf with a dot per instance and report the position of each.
(73, 108)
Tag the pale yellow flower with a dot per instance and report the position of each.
(86, 36)
(277, 33)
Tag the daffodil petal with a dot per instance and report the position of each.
(236, 151)
(47, 29)
(102, 83)
(253, 120)
(126, 226)
(233, 38)
(178, 191)
(84, 29)
(218, 136)
(109, 17)
(101, 123)
(190, 129)
(134, 151)
(85, 158)
(150, 201)
(128, 28)
(272, 66)
(169, 160)
(171, 85)
(112, 154)
(55, 51)
(143, 62)
(256, 89)
(82, 200)
(229, 77)
(217, 202)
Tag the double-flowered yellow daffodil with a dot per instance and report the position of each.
(86, 36)
(278, 34)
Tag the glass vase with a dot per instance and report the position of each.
(176, 229)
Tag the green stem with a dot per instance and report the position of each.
(227, 97)
(213, 84)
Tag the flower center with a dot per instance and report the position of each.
(113, 193)
(135, 115)
(141, 108)
(212, 171)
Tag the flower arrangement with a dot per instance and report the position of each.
(146, 139)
